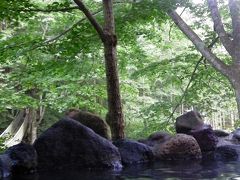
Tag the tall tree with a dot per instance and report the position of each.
(109, 40)
(231, 42)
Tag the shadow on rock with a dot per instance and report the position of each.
(68, 143)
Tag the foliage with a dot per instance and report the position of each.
(59, 54)
(2, 145)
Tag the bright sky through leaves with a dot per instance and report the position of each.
(198, 1)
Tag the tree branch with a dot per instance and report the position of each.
(191, 79)
(219, 28)
(44, 43)
(171, 26)
(186, 89)
(199, 44)
(67, 9)
(55, 38)
(64, 9)
(72, 27)
(91, 18)
(234, 6)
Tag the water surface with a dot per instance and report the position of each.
(159, 170)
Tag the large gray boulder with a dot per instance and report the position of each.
(70, 144)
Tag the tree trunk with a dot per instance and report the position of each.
(110, 52)
(109, 39)
(33, 118)
(236, 87)
(31, 124)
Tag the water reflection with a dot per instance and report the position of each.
(161, 170)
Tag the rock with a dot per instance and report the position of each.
(222, 141)
(236, 134)
(191, 120)
(227, 153)
(94, 122)
(23, 157)
(133, 151)
(208, 156)
(144, 141)
(156, 138)
(220, 133)
(206, 138)
(5, 166)
(181, 146)
(68, 143)
(191, 123)
(18, 159)
(159, 137)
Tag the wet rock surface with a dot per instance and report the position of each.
(181, 146)
(134, 152)
(69, 143)
(227, 153)
(205, 137)
(222, 141)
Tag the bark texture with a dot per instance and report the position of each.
(110, 53)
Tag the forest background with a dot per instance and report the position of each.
(51, 59)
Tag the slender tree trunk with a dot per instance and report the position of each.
(110, 53)
(109, 39)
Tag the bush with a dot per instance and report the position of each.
(2, 145)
